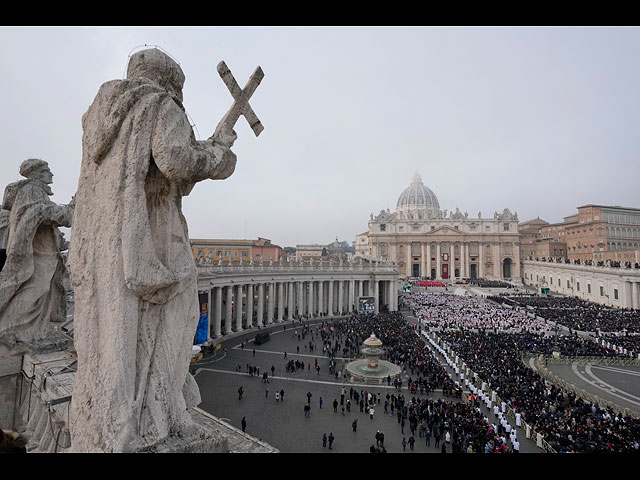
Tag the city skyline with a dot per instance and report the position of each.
(537, 120)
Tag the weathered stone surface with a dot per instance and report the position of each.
(130, 262)
(31, 292)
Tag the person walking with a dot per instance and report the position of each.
(412, 442)
(354, 424)
(324, 439)
(371, 412)
(282, 394)
(309, 395)
(243, 424)
(335, 405)
(240, 392)
(404, 444)
(331, 438)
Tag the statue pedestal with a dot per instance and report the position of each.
(216, 437)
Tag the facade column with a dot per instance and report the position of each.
(228, 310)
(290, 301)
(423, 266)
(280, 301)
(260, 304)
(249, 313)
(409, 260)
(634, 295)
(340, 296)
(376, 293)
(438, 262)
(481, 259)
(238, 305)
(270, 304)
(217, 318)
(330, 299)
(428, 274)
(497, 263)
(361, 288)
(463, 260)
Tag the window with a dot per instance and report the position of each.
(245, 253)
(578, 286)
(506, 227)
(227, 253)
(383, 227)
(235, 253)
(615, 293)
(200, 252)
(219, 253)
(567, 283)
(601, 290)
(588, 288)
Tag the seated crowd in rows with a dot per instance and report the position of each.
(566, 422)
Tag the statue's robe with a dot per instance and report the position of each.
(130, 262)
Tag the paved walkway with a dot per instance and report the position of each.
(283, 423)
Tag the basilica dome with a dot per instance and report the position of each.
(417, 196)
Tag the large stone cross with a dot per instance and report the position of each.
(241, 100)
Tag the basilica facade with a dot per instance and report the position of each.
(427, 242)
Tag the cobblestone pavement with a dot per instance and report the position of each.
(283, 424)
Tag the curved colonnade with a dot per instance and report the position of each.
(238, 296)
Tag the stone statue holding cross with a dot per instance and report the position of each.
(130, 261)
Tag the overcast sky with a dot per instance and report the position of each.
(537, 120)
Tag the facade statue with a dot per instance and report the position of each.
(31, 291)
(131, 265)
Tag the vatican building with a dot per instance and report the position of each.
(427, 242)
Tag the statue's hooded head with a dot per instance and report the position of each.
(158, 67)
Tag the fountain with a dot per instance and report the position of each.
(371, 369)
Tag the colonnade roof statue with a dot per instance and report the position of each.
(31, 291)
(134, 277)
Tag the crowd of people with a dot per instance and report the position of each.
(619, 329)
(564, 420)
(452, 426)
(441, 310)
(485, 283)
(597, 263)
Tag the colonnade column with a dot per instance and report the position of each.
(330, 299)
(280, 301)
(376, 295)
(229, 310)
(300, 298)
(320, 296)
(238, 305)
(217, 316)
(270, 304)
(260, 304)
(249, 313)
(310, 303)
(352, 294)
(290, 302)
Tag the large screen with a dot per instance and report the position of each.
(366, 304)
